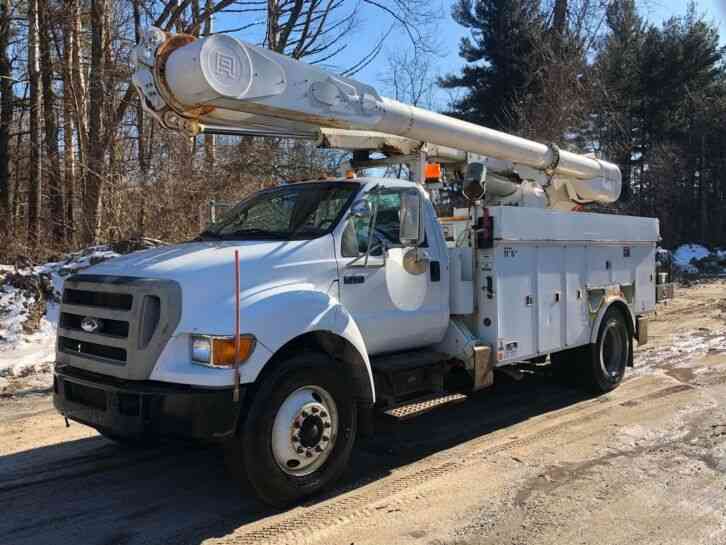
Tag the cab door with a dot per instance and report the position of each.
(396, 306)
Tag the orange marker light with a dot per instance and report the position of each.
(223, 350)
(432, 172)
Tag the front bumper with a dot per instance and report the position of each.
(145, 408)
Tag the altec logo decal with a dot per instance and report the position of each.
(225, 66)
(91, 325)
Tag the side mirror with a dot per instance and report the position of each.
(475, 180)
(412, 232)
(361, 209)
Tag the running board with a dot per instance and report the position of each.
(422, 405)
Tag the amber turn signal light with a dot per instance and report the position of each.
(223, 350)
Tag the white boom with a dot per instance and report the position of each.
(221, 85)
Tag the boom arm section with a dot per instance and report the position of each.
(221, 85)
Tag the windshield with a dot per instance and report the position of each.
(291, 212)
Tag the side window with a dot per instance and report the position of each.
(388, 222)
(388, 226)
(349, 245)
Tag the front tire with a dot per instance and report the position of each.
(299, 431)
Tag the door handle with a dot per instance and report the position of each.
(354, 279)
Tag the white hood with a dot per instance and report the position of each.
(205, 270)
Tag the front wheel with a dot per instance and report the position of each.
(299, 432)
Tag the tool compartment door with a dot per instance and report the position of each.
(577, 322)
(550, 298)
(516, 297)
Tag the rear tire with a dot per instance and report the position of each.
(611, 353)
(600, 366)
(299, 430)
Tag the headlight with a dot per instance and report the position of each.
(220, 351)
(201, 349)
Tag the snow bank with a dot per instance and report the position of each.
(697, 259)
(29, 311)
(684, 254)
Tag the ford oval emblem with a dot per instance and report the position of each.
(90, 324)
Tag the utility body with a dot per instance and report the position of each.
(354, 296)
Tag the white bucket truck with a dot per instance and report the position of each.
(349, 297)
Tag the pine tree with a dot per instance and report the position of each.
(617, 96)
(504, 36)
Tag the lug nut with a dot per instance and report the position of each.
(308, 454)
(319, 448)
(300, 450)
(323, 414)
(327, 424)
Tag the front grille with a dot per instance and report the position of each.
(74, 346)
(127, 320)
(88, 298)
(115, 328)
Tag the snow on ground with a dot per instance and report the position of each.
(687, 252)
(28, 348)
(682, 351)
(697, 259)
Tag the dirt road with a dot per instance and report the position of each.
(527, 462)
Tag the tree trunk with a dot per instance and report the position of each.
(69, 159)
(35, 168)
(51, 126)
(140, 138)
(703, 189)
(559, 19)
(95, 172)
(7, 104)
(78, 83)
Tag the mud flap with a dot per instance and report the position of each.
(641, 330)
(483, 367)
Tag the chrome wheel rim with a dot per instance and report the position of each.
(304, 431)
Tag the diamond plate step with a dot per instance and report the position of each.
(423, 405)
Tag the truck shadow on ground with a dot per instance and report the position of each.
(94, 491)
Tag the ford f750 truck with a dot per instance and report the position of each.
(309, 306)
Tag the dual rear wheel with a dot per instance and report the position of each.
(599, 366)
